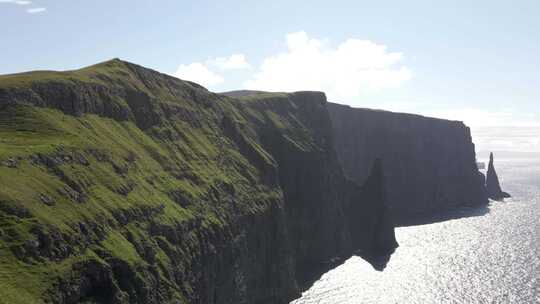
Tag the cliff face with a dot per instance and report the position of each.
(429, 164)
(328, 216)
(123, 185)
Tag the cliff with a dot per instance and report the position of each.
(493, 187)
(123, 185)
(429, 164)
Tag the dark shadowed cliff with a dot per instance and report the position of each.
(429, 164)
(119, 184)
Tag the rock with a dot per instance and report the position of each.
(493, 187)
(11, 163)
(47, 200)
(79, 157)
(73, 195)
(49, 161)
(14, 209)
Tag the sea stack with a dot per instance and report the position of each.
(493, 187)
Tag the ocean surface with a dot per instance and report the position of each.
(489, 255)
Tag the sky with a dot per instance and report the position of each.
(475, 61)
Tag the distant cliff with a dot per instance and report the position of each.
(429, 164)
(120, 184)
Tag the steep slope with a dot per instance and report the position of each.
(429, 164)
(119, 184)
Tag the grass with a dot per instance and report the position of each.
(94, 74)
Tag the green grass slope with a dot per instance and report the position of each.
(93, 160)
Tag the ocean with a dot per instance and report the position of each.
(487, 255)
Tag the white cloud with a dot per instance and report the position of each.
(36, 10)
(482, 118)
(198, 73)
(233, 62)
(33, 10)
(18, 2)
(203, 74)
(507, 138)
(347, 71)
(502, 130)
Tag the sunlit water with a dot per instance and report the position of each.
(492, 257)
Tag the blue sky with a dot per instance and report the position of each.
(475, 61)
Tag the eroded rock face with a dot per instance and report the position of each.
(493, 187)
(429, 164)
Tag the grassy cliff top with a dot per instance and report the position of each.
(113, 69)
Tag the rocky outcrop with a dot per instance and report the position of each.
(429, 164)
(124, 185)
(493, 187)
